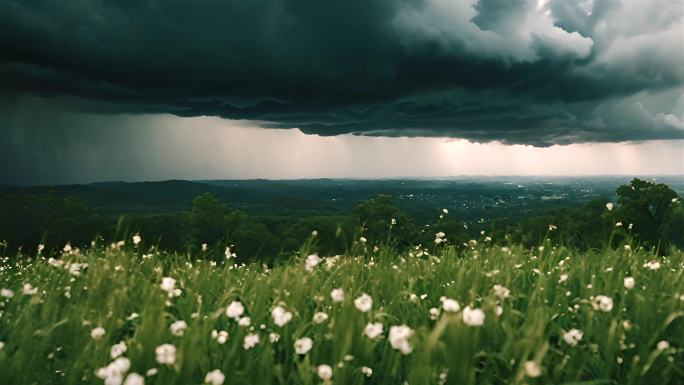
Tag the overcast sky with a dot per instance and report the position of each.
(150, 90)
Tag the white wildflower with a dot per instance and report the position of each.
(320, 317)
(603, 303)
(532, 369)
(502, 292)
(281, 316)
(473, 317)
(97, 333)
(28, 289)
(399, 338)
(364, 302)
(75, 269)
(367, 371)
(118, 349)
(168, 284)
(331, 261)
(629, 283)
(573, 336)
(325, 372)
(250, 341)
(215, 377)
(303, 345)
(235, 310)
(450, 305)
(337, 295)
(178, 328)
(222, 337)
(134, 379)
(373, 330)
(663, 345)
(115, 371)
(132, 316)
(165, 354)
(6, 293)
(312, 261)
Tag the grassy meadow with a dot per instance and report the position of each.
(128, 314)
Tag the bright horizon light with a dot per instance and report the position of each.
(94, 148)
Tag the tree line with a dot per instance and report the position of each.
(643, 213)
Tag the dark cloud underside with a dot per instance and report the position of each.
(519, 72)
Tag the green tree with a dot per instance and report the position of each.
(334, 233)
(30, 219)
(673, 231)
(208, 220)
(649, 207)
(376, 215)
(169, 231)
(588, 226)
(251, 240)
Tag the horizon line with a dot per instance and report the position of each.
(360, 178)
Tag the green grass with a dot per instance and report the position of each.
(47, 335)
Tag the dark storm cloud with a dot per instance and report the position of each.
(519, 72)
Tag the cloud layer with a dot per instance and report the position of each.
(527, 72)
(65, 147)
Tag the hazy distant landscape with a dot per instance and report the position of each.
(265, 220)
(469, 198)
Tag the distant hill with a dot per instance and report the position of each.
(114, 198)
(468, 198)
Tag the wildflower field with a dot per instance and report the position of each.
(129, 314)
